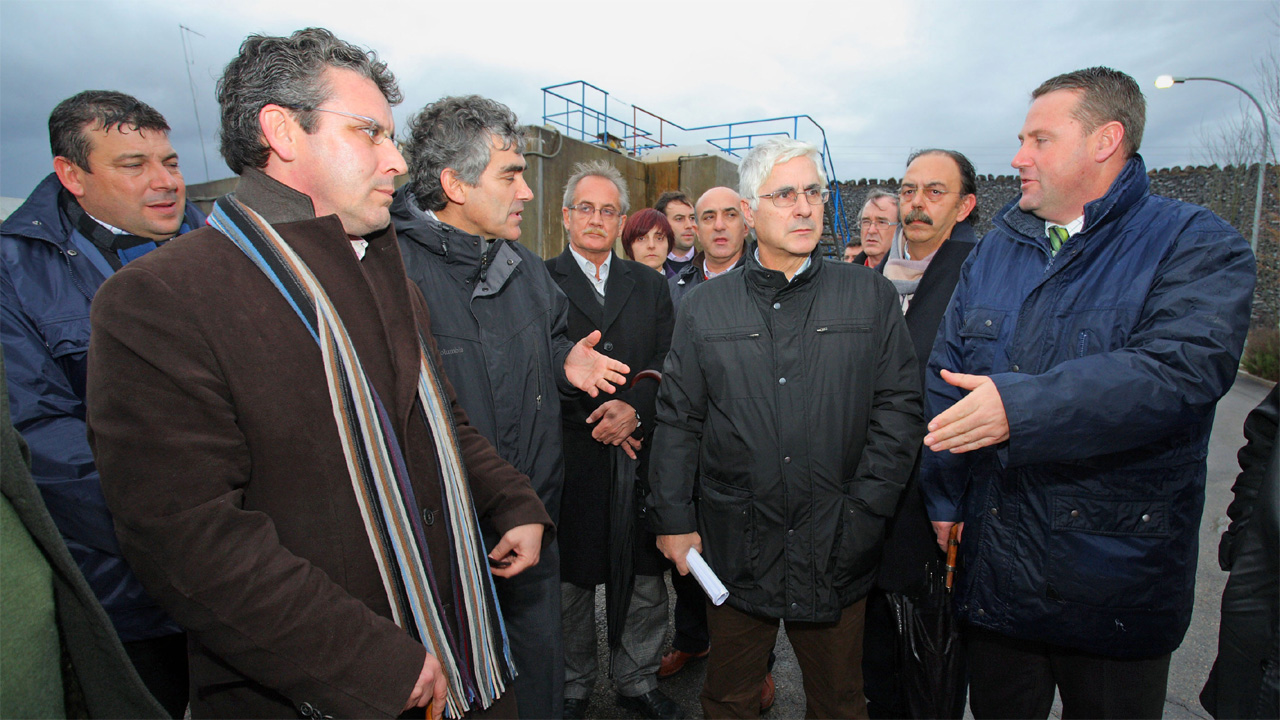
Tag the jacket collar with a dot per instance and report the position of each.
(469, 256)
(774, 281)
(1129, 187)
(276, 202)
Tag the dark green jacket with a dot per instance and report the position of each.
(109, 685)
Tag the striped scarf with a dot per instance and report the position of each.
(476, 660)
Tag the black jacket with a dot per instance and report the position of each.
(799, 403)
(636, 324)
(910, 541)
(1244, 680)
(500, 322)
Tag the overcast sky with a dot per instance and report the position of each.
(882, 78)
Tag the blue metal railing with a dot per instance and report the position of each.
(586, 117)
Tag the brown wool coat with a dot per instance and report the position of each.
(211, 424)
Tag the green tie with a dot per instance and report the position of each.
(1057, 236)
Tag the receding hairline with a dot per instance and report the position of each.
(697, 208)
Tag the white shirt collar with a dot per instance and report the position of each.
(693, 249)
(1072, 227)
(589, 269)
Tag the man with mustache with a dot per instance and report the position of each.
(876, 225)
(115, 194)
(938, 201)
(792, 395)
(290, 471)
(501, 323)
(630, 305)
(1072, 388)
(679, 211)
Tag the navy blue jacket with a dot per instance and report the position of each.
(1081, 530)
(49, 273)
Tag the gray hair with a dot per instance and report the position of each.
(876, 196)
(756, 166)
(1106, 95)
(456, 133)
(97, 109)
(602, 169)
(288, 72)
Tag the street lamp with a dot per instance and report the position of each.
(1168, 81)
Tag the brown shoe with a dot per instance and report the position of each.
(767, 691)
(674, 661)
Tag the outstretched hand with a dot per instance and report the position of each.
(976, 421)
(590, 371)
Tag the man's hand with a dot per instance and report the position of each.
(590, 371)
(617, 422)
(943, 531)
(977, 421)
(430, 688)
(517, 551)
(676, 548)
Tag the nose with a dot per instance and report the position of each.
(524, 193)
(166, 178)
(1021, 159)
(392, 160)
(720, 224)
(803, 207)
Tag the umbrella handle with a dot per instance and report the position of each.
(952, 545)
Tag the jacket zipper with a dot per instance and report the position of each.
(1084, 342)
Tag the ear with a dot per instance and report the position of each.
(279, 131)
(453, 186)
(747, 215)
(1108, 140)
(967, 204)
(564, 215)
(622, 225)
(69, 174)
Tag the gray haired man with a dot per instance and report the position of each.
(792, 390)
(500, 321)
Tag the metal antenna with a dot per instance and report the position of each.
(189, 57)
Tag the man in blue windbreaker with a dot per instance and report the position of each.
(115, 194)
(1073, 384)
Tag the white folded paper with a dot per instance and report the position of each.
(706, 577)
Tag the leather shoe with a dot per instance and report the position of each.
(767, 692)
(654, 705)
(575, 708)
(674, 661)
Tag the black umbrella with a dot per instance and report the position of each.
(929, 651)
(622, 544)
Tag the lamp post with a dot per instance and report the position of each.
(1168, 81)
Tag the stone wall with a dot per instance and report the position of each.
(1229, 192)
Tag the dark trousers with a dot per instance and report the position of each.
(690, 621)
(1011, 678)
(829, 654)
(530, 605)
(162, 664)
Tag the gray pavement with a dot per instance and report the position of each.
(1188, 668)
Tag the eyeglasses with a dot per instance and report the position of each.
(932, 194)
(880, 224)
(786, 197)
(607, 212)
(377, 134)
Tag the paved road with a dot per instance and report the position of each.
(1189, 666)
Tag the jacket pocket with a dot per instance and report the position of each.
(1109, 553)
(726, 521)
(979, 338)
(859, 538)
